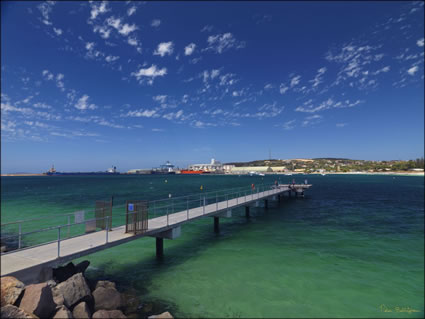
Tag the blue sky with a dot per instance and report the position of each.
(87, 85)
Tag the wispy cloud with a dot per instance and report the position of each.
(142, 113)
(156, 23)
(327, 104)
(220, 43)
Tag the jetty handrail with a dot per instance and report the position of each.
(106, 217)
(202, 203)
(115, 206)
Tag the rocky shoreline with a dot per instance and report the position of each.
(69, 295)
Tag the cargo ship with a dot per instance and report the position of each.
(53, 172)
(166, 168)
(189, 171)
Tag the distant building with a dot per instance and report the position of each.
(214, 166)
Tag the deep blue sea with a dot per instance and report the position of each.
(353, 247)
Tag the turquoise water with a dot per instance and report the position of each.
(353, 247)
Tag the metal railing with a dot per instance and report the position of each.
(157, 208)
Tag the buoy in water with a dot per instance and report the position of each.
(166, 181)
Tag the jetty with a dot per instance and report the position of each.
(160, 219)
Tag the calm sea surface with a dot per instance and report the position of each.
(353, 247)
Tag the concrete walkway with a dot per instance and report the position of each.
(26, 263)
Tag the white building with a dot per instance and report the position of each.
(214, 166)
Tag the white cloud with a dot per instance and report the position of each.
(41, 106)
(188, 50)
(156, 23)
(413, 70)
(223, 42)
(103, 30)
(126, 29)
(313, 119)
(45, 9)
(123, 29)
(131, 10)
(59, 83)
(133, 41)
(283, 88)
(160, 98)
(295, 80)
(83, 105)
(164, 48)
(57, 31)
(111, 58)
(89, 46)
(329, 103)
(47, 75)
(158, 130)
(152, 72)
(319, 77)
(420, 42)
(142, 113)
(207, 28)
(289, 125)
(173, 115)
(97, 9)
(341, 124)
(268, 86)
(383, 70)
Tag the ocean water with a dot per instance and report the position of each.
(353, 247)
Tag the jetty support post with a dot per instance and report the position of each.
(216, 224)
(266, 203)
(170, 233)
(247, 211)
(159, 247)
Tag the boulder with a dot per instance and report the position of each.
(63, 313)
(72, 291)
(10, 311)
(57, 296)
(38, 299)
(164, 315)
(108, 314)
(3, 248)
(11, 289)
(63, 273)
(105, 284)
(106, 298)
(81, 311)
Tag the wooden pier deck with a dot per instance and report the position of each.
(29, 264)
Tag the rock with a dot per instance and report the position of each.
(3, 248)
(108, 314)
(38, 299)
(81, 311)
(164, 315)
(11, 289)
(61, 274)
(63, 313)
(72, 290)
(82, 266)
(106, 298)
(105, 284)
(51, 283)
(57, 297)
(10, 311)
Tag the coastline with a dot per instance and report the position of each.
(398, 173)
